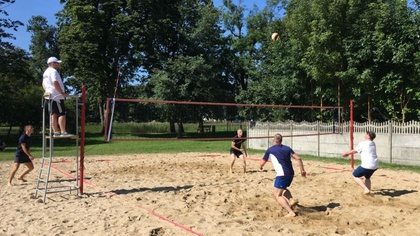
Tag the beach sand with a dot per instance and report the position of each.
(194, 194)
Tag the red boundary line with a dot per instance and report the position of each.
(334, 168)
(140, 206)
(173, 222)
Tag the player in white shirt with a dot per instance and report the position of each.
(370, 163)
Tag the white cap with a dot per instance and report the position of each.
(53, 59)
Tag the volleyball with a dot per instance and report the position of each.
(275, 36)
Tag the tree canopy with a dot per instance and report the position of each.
(18, 87)
(329, 52)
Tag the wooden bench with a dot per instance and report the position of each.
(206, 128)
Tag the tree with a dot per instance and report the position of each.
(138, 38)
(380, 53)
(43, 44)
(366, 48)
(399, 81)
(19, 92)
(95, 45)
(6, 23)
(242, 47)
(191, 71)
(276, 75)
(317, 29)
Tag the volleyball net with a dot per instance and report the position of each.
(136, 119)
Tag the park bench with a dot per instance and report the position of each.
(206, 128)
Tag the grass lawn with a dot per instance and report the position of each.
(95, 145)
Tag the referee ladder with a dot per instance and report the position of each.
(43, 186)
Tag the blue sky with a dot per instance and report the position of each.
(23, 10)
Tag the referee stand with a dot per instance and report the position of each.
(43, 185)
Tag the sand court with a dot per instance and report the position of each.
(194, 194)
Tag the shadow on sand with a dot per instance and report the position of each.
(394, 192)
(156, 189)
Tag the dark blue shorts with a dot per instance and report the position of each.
(282, 182)
(360, 171)
(22, 159)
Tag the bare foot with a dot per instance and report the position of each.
(291, 214)
(9, 184)
(22, 179)
(366, 192)
(231, 171)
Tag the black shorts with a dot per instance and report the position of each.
(22, 159)
(58, 108)
(236, 153)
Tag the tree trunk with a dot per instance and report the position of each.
(172, 124)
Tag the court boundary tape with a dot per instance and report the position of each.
(161, 217)
(120, 198)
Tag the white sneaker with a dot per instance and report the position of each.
(65, 134)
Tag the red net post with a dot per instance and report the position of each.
(82, 139)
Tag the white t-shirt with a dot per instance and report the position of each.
(51, 75)
(367, 150)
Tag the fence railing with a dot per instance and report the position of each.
(396, 142)
(411, 127)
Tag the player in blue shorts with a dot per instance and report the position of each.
(280, 155)
(370, 163)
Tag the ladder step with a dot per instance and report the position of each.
(41, 190)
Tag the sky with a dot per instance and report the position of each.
(23, 10)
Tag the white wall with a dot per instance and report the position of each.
(391, 148)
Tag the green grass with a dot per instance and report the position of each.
(95, 145)
(163, 127)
